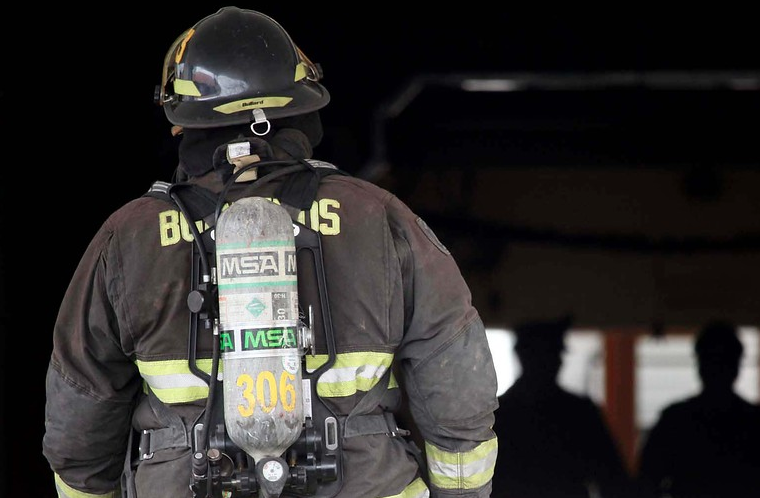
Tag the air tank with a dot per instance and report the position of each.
(258, 317)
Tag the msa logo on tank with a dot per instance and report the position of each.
(264, 262)
(257, 339)
(249, 283)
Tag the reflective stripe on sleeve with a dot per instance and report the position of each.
(172, 380)
(416, 489)
(66, 491)
(352, 372)
(466, 470)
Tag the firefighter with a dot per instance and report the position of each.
(240, 93)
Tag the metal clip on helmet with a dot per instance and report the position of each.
(237, 66)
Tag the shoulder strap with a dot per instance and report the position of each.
(199, 201)
(298, 190)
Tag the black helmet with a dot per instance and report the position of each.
(237, 66)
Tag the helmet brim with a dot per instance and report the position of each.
(304, 98)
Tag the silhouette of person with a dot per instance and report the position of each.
(707, 445)
(553, 443)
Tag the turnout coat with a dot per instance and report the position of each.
(398, 303)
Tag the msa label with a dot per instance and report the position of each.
(257, 264)
(258, 339)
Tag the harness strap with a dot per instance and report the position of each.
(365, 425)
(173, 434)
(152, 440)
(297, 192)
(354, 423)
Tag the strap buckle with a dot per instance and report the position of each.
(144, 446)
(393, 429)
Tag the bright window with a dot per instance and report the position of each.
(582, 367)
(666, 371)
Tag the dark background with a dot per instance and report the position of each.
(82, 135)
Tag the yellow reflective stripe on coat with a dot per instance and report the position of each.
(466, 470)
(66, 491)
(351, 372)
(173, 382)
(417, 489)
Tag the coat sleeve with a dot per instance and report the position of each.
(446, 363)
(90, 383)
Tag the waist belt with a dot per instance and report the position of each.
(175, 436)
(357, 423)
(152, 440)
